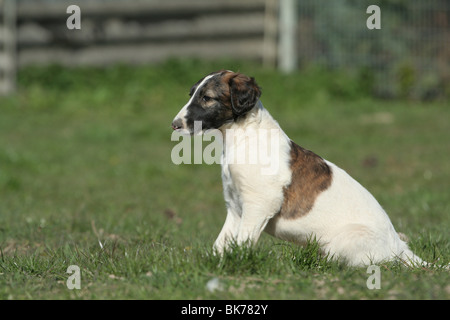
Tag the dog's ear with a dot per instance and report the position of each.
(244, 93)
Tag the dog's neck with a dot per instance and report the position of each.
(251, 119)
(256, 123)
(255, 141)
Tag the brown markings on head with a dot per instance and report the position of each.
(244, 93)
(310, 176)
(223, 98)
(235, 90)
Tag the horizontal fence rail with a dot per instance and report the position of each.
(140, 31)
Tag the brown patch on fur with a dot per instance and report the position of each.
(222, 87)
(310, 176)
(244, 93)
(236, 90)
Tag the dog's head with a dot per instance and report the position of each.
(219, 98)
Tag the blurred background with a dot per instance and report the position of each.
(408, 57)
(85, 133)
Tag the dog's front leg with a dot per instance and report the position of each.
(253, 222)
(229, 232)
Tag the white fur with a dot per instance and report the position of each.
(252, 198)
(346, 219)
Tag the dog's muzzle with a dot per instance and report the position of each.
(177, 124)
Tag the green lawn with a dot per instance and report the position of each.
(86, 179)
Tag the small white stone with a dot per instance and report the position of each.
(214, 284)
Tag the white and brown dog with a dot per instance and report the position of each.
(305, 196)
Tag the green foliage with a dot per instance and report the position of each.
(86, 179)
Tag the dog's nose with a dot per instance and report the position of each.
(177, 124)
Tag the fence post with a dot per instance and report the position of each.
(287, 49)
(270, 34)
(8, 47)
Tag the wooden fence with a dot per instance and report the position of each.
(7, 46)
(141, 31)
(408, 56)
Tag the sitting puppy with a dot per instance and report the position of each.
(293, 194)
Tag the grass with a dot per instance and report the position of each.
(86, 179)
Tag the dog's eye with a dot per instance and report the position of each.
(206, 98)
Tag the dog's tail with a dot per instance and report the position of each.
(412, 260)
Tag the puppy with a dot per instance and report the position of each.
(280, 187)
